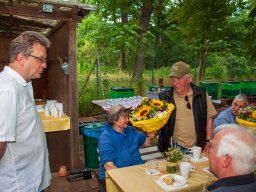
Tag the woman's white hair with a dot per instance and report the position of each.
(239, 143)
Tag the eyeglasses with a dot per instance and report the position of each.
(188, 104)
(237, 105)
(40, 59)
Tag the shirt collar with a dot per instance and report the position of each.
(16, 75)
(112, 129)
(232, 181)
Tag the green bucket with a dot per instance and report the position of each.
(230, 88)
(90, 152)
(248, 88)
(211, 88)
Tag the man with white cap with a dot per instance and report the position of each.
(119, 143)
(191, 122)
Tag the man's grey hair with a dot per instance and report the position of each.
(239, 143)
(241, 97)
(24, 43)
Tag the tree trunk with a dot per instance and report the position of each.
(159, 5)
(121, 64)
(202, 60)
(146, 12)
(121, 59)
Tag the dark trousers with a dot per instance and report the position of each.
(103, 185)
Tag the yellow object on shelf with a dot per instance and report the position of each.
(52, 124)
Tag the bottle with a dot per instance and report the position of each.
(160, 85)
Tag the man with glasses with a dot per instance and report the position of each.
(24, 162)
(190, 123)
(228, 116)
(232, 158)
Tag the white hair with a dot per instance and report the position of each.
(226, 125)
(241, 97)
(240, 144)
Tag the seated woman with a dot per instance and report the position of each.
(119, 143)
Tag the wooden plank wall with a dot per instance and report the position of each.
(54, 84)
(4, 48)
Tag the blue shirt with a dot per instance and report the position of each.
(120, 148)
(225, 117)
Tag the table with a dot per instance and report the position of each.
(52, 124)
(135, 178)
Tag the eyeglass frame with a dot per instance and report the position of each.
(237, 106)
(188, 103)
(40, 59)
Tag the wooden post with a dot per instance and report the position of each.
(73, 101)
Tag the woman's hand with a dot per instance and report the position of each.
(109, 165)
(151, 135)
(147, 143)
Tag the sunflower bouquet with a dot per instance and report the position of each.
(247, 116)
(151, 115)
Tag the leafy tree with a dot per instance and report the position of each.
(144, 20)
(201, 22)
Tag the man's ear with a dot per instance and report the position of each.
(20, 58)
(189, 79)
(226, 161)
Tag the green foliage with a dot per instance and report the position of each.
(177, 29)
(173, 154)
(216, 72)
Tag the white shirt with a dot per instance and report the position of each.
(24, 166)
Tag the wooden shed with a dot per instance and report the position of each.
(58, 21)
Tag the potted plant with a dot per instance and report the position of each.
(173, 156)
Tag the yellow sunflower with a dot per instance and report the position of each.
(254, 114)
(142, 111)
(157, 103)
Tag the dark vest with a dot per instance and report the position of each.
(200, 118)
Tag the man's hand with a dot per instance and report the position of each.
(207, 148)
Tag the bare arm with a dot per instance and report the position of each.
(109, 165)
(2, 149)
(147, 142)
(209, 128)
(209, 133)
(150, 136)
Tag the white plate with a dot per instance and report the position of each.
(203, 158)
(179, 182)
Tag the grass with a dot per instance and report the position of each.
(99, 88)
